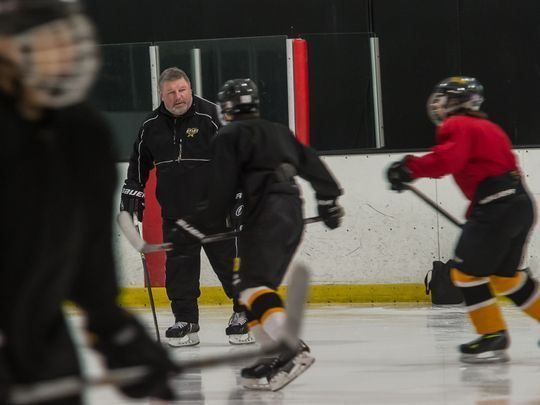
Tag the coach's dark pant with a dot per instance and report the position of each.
(183, 269)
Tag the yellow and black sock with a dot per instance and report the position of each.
(522, 290)
(482, 306)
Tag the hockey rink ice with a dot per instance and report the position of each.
(365, 354)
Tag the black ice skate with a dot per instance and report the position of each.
(275, 373)
(489, 348)
(238, 331)
(182, 334)
(290, 366)
(256, 376)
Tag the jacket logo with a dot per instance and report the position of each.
(191, 132)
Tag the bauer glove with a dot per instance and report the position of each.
(398, 174)
(132, 199)
(127, 345)
(330, 212)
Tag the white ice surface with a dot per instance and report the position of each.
(365, 355)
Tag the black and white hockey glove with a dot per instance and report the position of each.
(331, 212)
(234, 220)
(398, 174)
(132, 199)
(128, 345)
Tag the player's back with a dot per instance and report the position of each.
(261, 147)
(266, 144)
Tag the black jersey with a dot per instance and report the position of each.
(247, 155)
(57, 190)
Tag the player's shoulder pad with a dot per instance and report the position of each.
(205, 106)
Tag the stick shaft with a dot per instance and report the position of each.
(233, 234)
(149, 289)
(434, 205)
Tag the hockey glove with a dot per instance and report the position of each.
(132, 199)
(128, 345)
(234, 220)
(331, 212)
(398, 174)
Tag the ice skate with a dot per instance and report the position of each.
(256, 376)
(238, 331)
(290, 366)
(488, 348)
(276, 372)
(183, 334)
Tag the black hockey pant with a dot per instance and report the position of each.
(269, 241)
(183, 269)
(494, 237)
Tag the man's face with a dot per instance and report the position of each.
(177, 96)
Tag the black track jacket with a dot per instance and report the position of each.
(179, 148)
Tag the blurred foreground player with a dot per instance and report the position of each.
(488, 254)
(59, 198)
(261, 158)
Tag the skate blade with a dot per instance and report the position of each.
(260, 384)
(281, 379)
(191, 339)
(244, 339)
(495, 356)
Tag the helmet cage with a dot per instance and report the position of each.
(454, 94)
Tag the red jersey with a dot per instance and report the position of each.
(469, 148)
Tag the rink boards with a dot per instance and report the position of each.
(387, 243)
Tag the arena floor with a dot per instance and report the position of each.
(395, 354)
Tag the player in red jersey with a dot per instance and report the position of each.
(478, 154)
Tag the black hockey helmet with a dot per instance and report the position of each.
(19, 15)
(239, 96)
(454, 94)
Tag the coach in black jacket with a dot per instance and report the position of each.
(176, 139)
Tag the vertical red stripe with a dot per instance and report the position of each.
(153, 233)
(301, 90)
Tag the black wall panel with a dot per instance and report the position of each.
(421, 43)
(419, 46)
(341, 99)
(501, 47)
(168, 20)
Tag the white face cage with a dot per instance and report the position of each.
(438, 107)
(58, 60)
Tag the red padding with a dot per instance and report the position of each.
(152, 232)
(301, 90)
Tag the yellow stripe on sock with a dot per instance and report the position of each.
(487, 319)
(253, 323)
(505, 285)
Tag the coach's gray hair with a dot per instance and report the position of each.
(172, 74)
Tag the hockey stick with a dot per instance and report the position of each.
(68, 386)
(217, 237)
(132, 234)
(149, 289)
(433, 205)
